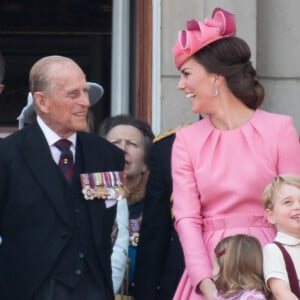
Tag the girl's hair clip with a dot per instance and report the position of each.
(220, 253)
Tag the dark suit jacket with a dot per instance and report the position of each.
(159, 261)
(34, 223)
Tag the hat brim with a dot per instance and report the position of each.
(96, 92)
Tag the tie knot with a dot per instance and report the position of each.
(63, 145)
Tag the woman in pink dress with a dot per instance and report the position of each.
(221, 164)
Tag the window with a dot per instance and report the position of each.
(29, 30)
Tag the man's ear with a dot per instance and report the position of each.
(270, 216)
(41, 102)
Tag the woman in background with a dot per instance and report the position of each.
(134, 137)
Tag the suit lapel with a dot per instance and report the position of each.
(39, 159)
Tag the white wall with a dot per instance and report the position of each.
(278, 56)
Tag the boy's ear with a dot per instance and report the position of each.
(270, 216)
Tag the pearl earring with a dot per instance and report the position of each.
(215, 90)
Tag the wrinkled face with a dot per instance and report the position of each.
(286, 211)
(132, 142)
(65, 104)
(197, 84)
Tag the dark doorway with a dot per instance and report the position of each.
(31, 29)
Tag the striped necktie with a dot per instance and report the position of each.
(65, 163)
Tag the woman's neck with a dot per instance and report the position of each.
(231, 117)
(133, 182)
(136, 188)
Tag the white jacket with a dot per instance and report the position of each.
(120, 249)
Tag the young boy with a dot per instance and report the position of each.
(281, 201)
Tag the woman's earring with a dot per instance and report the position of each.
(215, 90)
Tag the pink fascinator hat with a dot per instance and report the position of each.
(198, 35)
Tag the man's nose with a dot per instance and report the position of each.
(84, 99)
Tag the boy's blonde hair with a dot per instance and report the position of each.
(239, 268)
(272, 187)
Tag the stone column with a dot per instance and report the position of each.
(278, 56)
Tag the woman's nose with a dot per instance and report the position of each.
(180, 84)
(122, 145)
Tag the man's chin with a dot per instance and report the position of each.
(80, 126)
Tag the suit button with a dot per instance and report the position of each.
(78, 272)
(81, 255)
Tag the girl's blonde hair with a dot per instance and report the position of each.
(272, 187)
(240, 262)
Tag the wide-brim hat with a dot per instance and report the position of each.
(199, 34)
(96, 92)
(28, 115)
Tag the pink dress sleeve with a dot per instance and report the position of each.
(288, 147)
(187, 211)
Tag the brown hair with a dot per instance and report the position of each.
(230, 57)
(272, 187)
(239, 268)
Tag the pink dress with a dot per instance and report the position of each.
(245, 295)
(218, 182)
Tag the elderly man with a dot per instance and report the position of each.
(55, 244)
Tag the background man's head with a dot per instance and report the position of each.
(2, 70)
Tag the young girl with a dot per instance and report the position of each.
(238, 272)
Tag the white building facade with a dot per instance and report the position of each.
(271, 29)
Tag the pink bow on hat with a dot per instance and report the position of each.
(198, 35)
